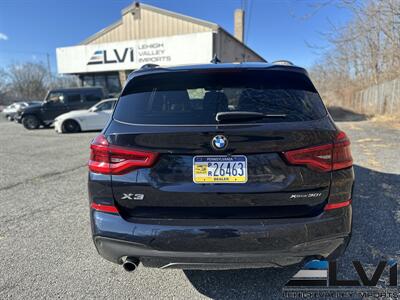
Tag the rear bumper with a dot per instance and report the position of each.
(209, 244)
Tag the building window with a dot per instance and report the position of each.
(87, 80)
(110, 82)
(100, 80)
(113, 84)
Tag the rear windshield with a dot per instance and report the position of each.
(196, 97)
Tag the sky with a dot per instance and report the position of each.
(31, 30)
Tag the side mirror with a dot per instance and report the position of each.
(95, 109)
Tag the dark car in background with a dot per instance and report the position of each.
(220, 166)
(57, 102)
(18, 113)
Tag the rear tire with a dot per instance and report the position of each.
(70, 126)
(31, 122)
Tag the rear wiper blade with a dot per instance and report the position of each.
(229, 116)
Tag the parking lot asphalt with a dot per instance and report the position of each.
(46, 249)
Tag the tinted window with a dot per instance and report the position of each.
(106, 105)
(196, 97)
(93, 96)
(74, 98)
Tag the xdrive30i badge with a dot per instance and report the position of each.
(219, 142)
(310, 195)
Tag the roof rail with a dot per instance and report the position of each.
(148, 66)
(283, 62)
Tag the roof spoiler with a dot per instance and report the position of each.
(283, 62)
(149, 66)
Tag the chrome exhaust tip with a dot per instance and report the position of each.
(130, 264)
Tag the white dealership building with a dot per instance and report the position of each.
(147, 34)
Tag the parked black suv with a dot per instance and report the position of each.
(57, 102)
(220, 166)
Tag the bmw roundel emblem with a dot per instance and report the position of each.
(219, 142)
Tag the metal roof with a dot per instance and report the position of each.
(130, 8)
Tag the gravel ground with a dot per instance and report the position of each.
(47, 252)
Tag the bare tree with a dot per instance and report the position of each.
(364, 52)
(65, 81)
(4, 87)
(28, 80)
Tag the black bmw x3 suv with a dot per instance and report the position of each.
(220, 166)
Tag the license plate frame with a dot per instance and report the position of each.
(201, 169)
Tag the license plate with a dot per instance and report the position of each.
(220, 169)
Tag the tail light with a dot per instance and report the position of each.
(341, 154)
(324, 158)
(114, 160)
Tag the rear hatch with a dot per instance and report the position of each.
(188, 163)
